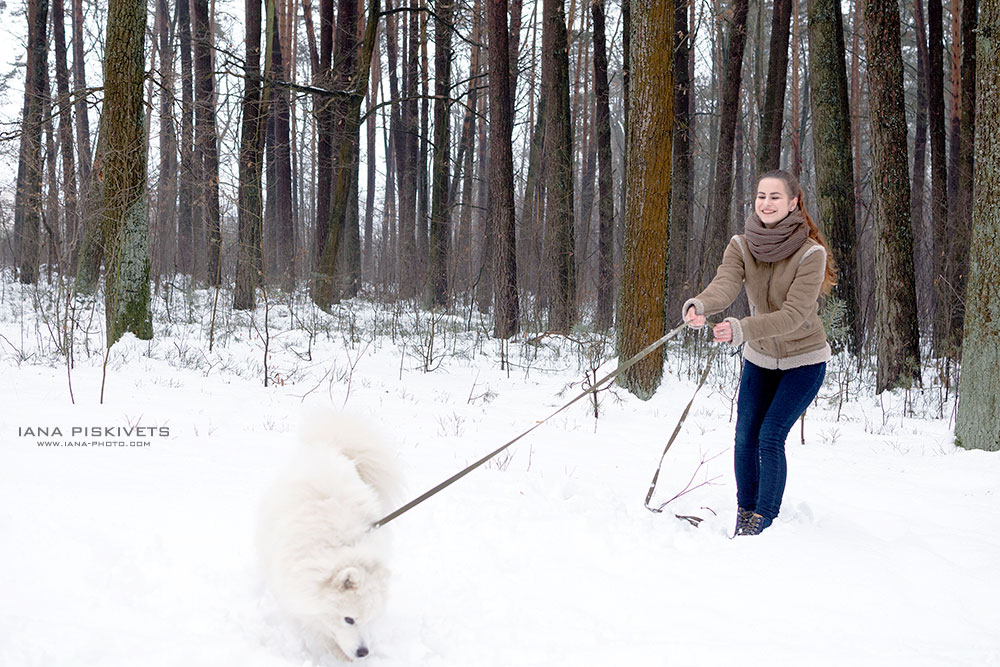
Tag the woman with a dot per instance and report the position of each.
(785, 264)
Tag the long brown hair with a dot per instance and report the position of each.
(794, 191)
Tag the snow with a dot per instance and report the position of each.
(884, 553)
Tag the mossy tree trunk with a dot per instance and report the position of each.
(898, 349)
(125, 228)
(647, 197)
(978, 422)
(832, 145)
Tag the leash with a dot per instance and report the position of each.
(607, 378)
(677, 429)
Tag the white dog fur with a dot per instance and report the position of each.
(321, 560)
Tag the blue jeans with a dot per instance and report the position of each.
(769, 403)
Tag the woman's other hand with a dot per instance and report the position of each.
(723, 332)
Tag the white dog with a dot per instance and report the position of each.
(321, 559)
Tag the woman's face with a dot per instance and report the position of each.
(773, 202)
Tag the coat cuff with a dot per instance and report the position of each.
(699, 308)
(737, 331)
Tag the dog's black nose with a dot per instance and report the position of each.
(362, 652)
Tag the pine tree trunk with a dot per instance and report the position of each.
(500, 216)
(717, 221)
(647, 185)
(962, 225)
(440, 224)
(769, 143)
(206, 141)
(898, 349)
(28, 197)
(283, 232)
(186, 199)
(350, 88)
(922, 233)
(606, 195)
(944, 296)
(978, 423)
(249, 232)
(65, 131)
(125, 229)
(832, 145)
(559, 182)
(80, 84)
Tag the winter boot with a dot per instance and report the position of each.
(755, 525)
(742, 519)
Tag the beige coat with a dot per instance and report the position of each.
(784, 329)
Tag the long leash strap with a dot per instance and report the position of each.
(673, 436)
(607, 378)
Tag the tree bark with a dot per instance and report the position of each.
(606, 195)
(898, 349)
(769, 143)
(206, 141)
(440, 226)
(249, 268)
(832, 146)
(647, 184)
(28, 196)
(717, 222)
(559, 185)
(125, 227)
(962, 226)
(944, 295)
(978, 422)
(65, 131)
(80, 84)
(500, 216)
(351, 85)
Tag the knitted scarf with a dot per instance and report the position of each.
(772, 244)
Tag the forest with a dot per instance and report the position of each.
(545, 167)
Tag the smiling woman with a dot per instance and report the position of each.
(784, 263)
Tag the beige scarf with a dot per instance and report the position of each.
(772, 244)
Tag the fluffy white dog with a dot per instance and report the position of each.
(321, 559)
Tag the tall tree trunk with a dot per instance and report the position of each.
(559, 186)
(922, 235)
(769, 143)
(189, 170)
(717, 220)
(832, 145)
(954, 97)
(125, 228)
(368, 268)
(500, 216)
(440, 227)
(606, 197)
(80, 84)
(966, 159)
(422, 149)
(206, 140)
(795, 111)
(350, 88)
(283, 232)
(898, 349)
(944, 296)
(249, 234)
(165, 237)
(28, 197)
(647, 182)
(65, 131)
(978, 423)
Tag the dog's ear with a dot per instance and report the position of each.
(348, 579)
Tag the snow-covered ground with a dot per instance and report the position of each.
(885, 552)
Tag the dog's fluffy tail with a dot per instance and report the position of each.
(357, 441)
